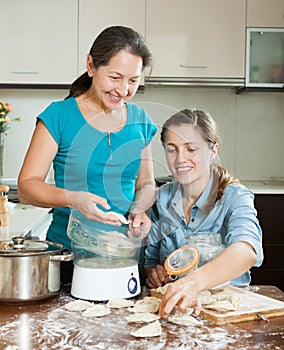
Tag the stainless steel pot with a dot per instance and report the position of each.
(30, 270)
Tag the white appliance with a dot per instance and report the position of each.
(105, 284)
(105, 260)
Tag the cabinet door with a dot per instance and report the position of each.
(38, 41)
(197, 38)
(95, 15)
(265, 13)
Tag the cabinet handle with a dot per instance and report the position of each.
(24, 72)
(188, 65)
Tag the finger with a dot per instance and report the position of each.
(162, 275)
(169, 301)
(149, 283)
(101, 201)
(197, 308)
(184, 303)
(156, 282)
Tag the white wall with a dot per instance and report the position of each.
(251, 125)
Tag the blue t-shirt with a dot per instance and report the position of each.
(94, 161)
(233, 216)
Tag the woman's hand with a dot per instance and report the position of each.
(156, 276)
(139, 225)
(87, 203)
(180, 294)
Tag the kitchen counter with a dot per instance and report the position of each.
(29, 221)
(265, 187)
(273, 186)
(48, 325)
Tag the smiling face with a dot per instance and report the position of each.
(116, 82)
(188, 155)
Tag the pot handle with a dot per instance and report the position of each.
(66, 256)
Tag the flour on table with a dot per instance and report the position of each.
(97, 310)
(153, 329)
(118, 303)
(78, 305)
(142, 317)
(148, 304)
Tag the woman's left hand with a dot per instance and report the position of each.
(139, 225)
(182, 294)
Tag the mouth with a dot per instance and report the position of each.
(115, 98)
(184, 170)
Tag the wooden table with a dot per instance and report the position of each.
(49, 326)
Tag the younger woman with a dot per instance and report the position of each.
(203, 197)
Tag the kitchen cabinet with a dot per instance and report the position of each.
(197, 40)
(95, 16)
(265, 13)
(38, 42)
(265, 57)
(270, 209)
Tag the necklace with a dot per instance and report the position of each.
(98, 122)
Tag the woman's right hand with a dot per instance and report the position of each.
(156, 276)
(87, 203)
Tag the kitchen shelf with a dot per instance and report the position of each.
(258, 89)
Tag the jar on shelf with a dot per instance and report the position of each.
(208, 244)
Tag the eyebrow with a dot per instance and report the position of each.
(115, 72)
(186, 143)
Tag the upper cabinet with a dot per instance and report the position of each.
(38, 42)
(265, 58)
(94, 16)
(196, 40)
(265, 13)
(265, 44)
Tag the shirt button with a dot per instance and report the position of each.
(192, 220)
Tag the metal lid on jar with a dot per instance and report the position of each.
(19, 246)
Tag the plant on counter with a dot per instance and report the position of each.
(5, 121)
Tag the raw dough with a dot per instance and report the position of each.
(144, 317)
(97, 310)
(185, 318)
(224, 302)
(205, 300)
(153, 329)
(119, 216)
(78, 305)
(160, 291)
(148, 304)
(117, 303)
(221, 305)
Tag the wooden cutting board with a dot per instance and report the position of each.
(251, 304)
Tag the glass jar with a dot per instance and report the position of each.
(208, 244)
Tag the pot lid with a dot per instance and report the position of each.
(21, 246)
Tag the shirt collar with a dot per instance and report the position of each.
(205, 202)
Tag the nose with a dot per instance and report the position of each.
(181, 157)
(123, 88)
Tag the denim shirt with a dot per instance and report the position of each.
(233, 216)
